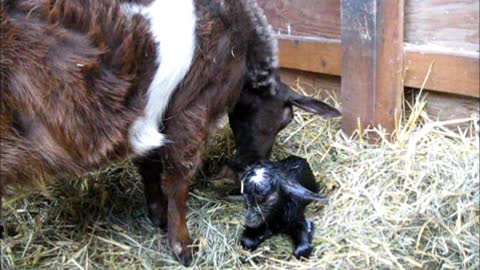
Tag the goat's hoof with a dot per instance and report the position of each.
(249, 243)
(157, 216)
(303, 251)
(183, 252)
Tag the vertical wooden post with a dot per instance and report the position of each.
(372, 48)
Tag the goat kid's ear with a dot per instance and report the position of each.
(312, 105)
(297, 190)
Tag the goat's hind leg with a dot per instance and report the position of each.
(150, 168)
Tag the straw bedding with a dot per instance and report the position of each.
(409, 203)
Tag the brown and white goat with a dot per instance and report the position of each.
(88, 82)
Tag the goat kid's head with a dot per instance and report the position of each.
(260, 114)
(266, 190)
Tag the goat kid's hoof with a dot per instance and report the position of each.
(249, 243)
(303, 251)
(310, 230)
(183, 252)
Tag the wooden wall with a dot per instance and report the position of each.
(441, 106)
(441, 39)
(308, 18)
(445, 23)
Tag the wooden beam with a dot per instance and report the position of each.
(452, 72)
(314, 55)
(317, 18)
(372, 41)
(446, 23)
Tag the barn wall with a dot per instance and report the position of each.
(309, 18)
(447, 26)
(446, 23)
(440, 106)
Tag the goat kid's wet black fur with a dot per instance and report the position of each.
(276, 195)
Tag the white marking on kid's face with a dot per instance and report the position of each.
(172, 24)
(259, 176)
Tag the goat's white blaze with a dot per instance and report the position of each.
(259, 176)
(172, 23)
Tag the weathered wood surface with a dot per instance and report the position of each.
(322, 56)
(447, 23)
(312, 83)
(372, 76)
(440, 106)
(446, 106)
(452, 72)
(442, 32)
(310, 18)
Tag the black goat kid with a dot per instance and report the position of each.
(276, 195)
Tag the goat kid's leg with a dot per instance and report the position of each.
(252, 238)
(302, 235)
(150, 168)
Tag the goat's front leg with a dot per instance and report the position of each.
(150, 168)
(176, 187)
(251, 238)
(302, 235)
(181, 158)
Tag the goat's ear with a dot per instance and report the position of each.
(294, 188)
(312, 105)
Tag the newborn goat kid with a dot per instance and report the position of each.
(276, 195)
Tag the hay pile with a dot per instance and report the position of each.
(408, 204)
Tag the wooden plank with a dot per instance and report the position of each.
(325, 56)
(443, 107)
(312, 83)
(446, 23)
(309, 18)
(317, 55)
(451, 73)
(372, 39)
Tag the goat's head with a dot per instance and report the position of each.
(260, 114)
(266, 190)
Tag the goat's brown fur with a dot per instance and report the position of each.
(205, 95)
(74, 74)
